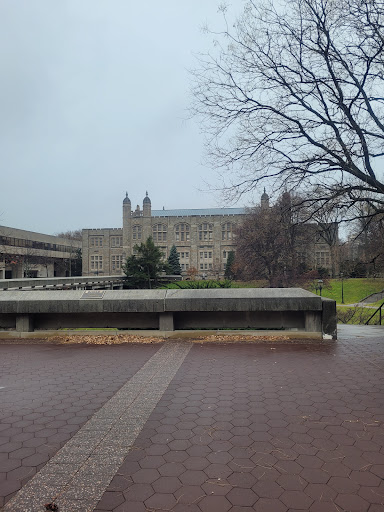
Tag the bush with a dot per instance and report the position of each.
(193, 285)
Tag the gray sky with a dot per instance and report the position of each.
(93, 99)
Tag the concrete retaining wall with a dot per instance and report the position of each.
(285, 309)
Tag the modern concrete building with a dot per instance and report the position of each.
(28, 254)
(203, 238)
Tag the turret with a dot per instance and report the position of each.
(127, 204)
(146, 206)
(264, 201)
(127, 213)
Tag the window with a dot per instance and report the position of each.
(227, 231)
(136, 233)
(116, 241)
(201, 266)
(205, 231)
(116, 262)
(322, 258)
(96, 263)
(182, 232)
(96, 241)
(159, 233)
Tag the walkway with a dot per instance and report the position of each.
(191, 427)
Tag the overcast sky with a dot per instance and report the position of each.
(94, 97)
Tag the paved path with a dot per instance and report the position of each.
(234, 427)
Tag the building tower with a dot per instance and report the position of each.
(127, 214)
(147, 224)
(264, 201)
(146, 206)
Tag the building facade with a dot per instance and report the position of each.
(29, 254)
(203, 238)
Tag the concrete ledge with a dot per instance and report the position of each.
(242, 299)
(281, 309)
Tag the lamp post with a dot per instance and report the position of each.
(342, 287)
(320, 283)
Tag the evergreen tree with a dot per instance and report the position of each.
(229, 274)
(142, 270)
(174, 262)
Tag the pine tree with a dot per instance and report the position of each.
(174, 262)
(229, 274)
(142, 270)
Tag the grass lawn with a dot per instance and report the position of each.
(354, 289)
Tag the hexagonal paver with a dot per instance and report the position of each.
(242, 497)
(214, 504)
(193, 477)
(352, 503)
(296, 500)
(270, 505)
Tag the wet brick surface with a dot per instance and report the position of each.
(272, 428)
(241, 427)
(47, 393)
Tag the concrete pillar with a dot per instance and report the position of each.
(329, 318)
(24, 323)
(166, 321)
(313, 321)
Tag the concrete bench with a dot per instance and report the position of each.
(282, 309)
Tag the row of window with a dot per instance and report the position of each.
(116, 264)
(33, 244)
(97, 262)
(159, 233)
(97, 241)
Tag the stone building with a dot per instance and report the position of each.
(29, 254)
(203, 238)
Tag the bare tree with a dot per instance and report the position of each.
(293, 92)
(71, 235)
(269, 244)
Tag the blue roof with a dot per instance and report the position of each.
(200, 212)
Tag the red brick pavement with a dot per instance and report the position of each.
(47, 392)
(241, 427)
(267, 428)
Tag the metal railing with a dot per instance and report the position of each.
(378, 310)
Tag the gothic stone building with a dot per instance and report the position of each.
(203, 238)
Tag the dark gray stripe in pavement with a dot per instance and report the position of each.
(77, 476)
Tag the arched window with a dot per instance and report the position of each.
(136, 232)
(182, 232)
(227, 231)
(205, 231)
(159, 232)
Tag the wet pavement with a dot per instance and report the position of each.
(195, 427)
